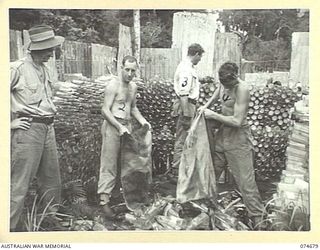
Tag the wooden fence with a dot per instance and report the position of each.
(125, 46)
(161, 62)
(227, 48)
(191, 27)
(77, 58)
(94, 60)
(16, 45)
(299, 68)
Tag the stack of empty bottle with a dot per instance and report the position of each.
(154, 100)
(77, 123)
(207, 89)
(269, 119)
(79, 120)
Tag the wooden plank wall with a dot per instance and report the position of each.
(161, 62)
(16, 45)
(227, 48)
(299, 68)
(192, 27)
(91, 59)
(104, 60)
(260, 79)
(77, 58)
(125, 44)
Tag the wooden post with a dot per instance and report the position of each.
(193, 27)
(125, 45)
(137, 40)
(103, 58)
(227, 48)
(16, 45)
(299, 68)
(159, 61)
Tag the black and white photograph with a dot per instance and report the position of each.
(159, 120)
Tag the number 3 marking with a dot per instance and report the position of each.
(185, 82)
(123, 108)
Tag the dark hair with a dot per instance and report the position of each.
(278, 83)
(228, 72)
(194, 49)
(129, 59)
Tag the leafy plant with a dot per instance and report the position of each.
(35, 216)
(41, 215)
(291, 217)
(73, 191)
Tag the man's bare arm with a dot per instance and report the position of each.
(240, 109)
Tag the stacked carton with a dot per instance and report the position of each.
(293, 189)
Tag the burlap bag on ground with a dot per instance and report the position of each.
(136, 168)
(196, 178)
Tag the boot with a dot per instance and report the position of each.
(107, 211)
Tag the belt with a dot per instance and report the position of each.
(38, 119)
(192, 101)
(123, 121)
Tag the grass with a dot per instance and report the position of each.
(43, 217)
(291, 217)
(35, 217)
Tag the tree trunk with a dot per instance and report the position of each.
(137, 40)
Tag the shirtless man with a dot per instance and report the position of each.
(233, 141)
(118, 108)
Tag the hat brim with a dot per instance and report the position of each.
(47, 44)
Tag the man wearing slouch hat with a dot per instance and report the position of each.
(33, 143)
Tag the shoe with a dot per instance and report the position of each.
(107, 211)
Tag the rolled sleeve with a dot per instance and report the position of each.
(14, 77)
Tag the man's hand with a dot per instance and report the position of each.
(201, 109)
(147, 123)
(20, 123)
(123, 130)
(209, 114)
(65, 87)
(186, 122)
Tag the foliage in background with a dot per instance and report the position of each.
(92, 26)
(97, 26)
(266, 34)
(266, 24)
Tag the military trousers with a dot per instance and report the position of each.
(33, 154)
(110, 170)
(233, 148)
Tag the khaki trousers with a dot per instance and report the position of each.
(33, 153)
